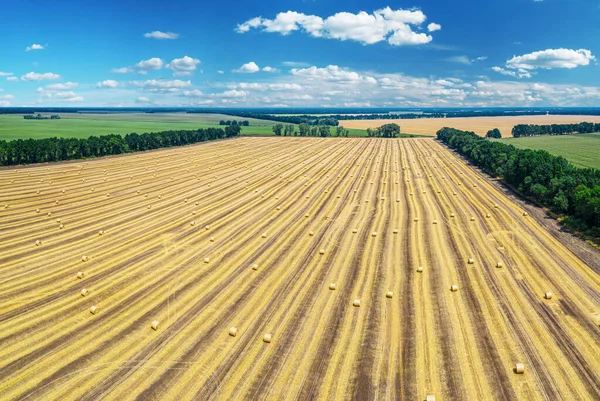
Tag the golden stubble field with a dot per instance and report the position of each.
(479, 125)
(343, 250)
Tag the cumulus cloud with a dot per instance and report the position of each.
(122, 70)
(34, 46)
(162, 86)
(332, 73)
(520, 73)
(232, 94)
(63, 86)
(248, 68)
(144, 100)
(551, 58)
(270, 69)
(183, 66)
(54, 92)
(12, 79)
(5, 74)
(5, 100)
(433, 27)
(109, 83)
(193, 93)
(34, 76)
(161, 35)
(397, 27)
(152, 64)
(220, 72)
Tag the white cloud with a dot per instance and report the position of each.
(64, 95)
(520, 73)
(75, 99)
(162, 86)
(333, 73)
(12, 79)
(161, 35)
(296, 64)
(270, 69)
(220, 72)
(183, 66)
(34, 46)
(5, 100)
(232, 94)
(109, 83)
(153, 64)
(393, 26)
(551, 58)
(34, 76)
(64, 86)
(460, 60)
(122, 70)
(6, 74)
(433, 27)
(248, 68)
(143, 100)
(193, 93)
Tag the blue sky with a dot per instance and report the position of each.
(418, 53)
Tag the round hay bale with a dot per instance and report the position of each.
(311, 233)
(454, 193)
(471, 261)
(255, 266)
(264, 235)
(382, 198)
(367, 201)
(84, 258)
(194, 212)
(207, 227)
(452, 214)
(420, 269)
(439, 191)
(206, 260)
(496, 206)
(356, 303)
(149, 206)
(389, 294)
(212, 239)
(395, 231)
(548, 295)
(197, 203)
(267, 338)
(80, 275)
(519, 368)
(397, 199)
(84, 292)
(37, 210)
(278, 208)
(374, 234)
(499, 265)
(416, 219)
(525, 214)
(154, 325)
(453, 288)
(61, 226)
(306, 215)
(487, 216)
(435, 221)
(38, 242)
(233, 331)
(193, 223)
(354, 231)
(424, 192)
(101, 232)
(411, 194)
(94, 309)
(430, 398)
(332, 286)
(322, 251)
(56, 202)
(472, 218)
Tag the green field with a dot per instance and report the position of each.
(84, 125)
(583, 150)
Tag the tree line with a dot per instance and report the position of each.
(25, 151)
(550, 180)
(244, 123)
(290, 119)
(305, 129)
(554, 129)
(391, 130)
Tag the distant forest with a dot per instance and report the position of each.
(554, 129)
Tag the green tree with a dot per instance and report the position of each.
(277, 129)
(494, 133)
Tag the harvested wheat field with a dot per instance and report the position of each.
(479, 125)
(280, 268)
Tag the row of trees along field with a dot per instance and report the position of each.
(24, 151)
(244, 123)
(308, 130)
(554, 129)
(550, 180)
(291, 119)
